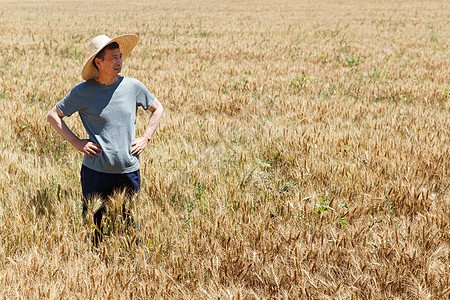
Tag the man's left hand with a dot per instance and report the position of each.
(138, 145)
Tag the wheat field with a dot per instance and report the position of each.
(304, 151)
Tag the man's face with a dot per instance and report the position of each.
(111, 65)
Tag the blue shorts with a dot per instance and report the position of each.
(98, 184)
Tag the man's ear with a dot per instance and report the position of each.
(96, 61)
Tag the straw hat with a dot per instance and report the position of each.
(126, 43)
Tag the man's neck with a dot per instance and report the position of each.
(106, 80)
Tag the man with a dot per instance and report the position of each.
(107, 105)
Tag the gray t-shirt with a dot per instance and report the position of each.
(108, 113)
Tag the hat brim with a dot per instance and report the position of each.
(126, 43)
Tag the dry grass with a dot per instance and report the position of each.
(304, 151)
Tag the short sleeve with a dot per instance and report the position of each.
(143, 97)
(71, 103)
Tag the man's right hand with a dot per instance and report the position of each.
(88, 147)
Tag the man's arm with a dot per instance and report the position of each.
(55, 117)
(140, 143)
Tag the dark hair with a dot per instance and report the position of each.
(102, 52)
